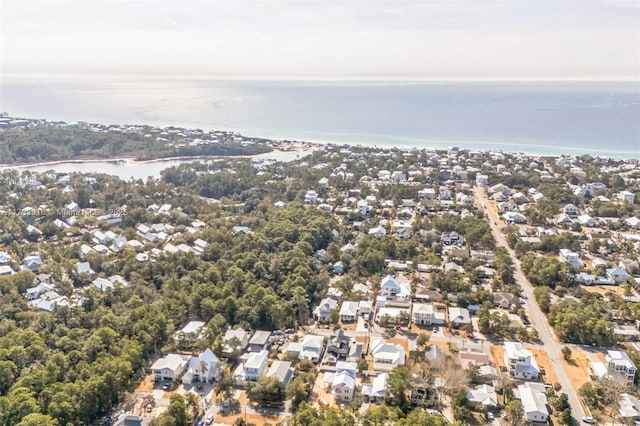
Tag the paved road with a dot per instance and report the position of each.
(549, 341)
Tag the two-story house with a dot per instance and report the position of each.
(427, 314)
(520, 362)
(253, 367)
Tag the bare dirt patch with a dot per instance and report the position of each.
(256, 419)
(497, 352)
(545, 363)
(577, 368)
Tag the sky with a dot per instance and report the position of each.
(451, 40)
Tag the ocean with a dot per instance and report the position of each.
(543, 118)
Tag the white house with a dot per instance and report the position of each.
(393, 289)
(514, 217)
(365, 308)
(235, 340)
(378, 231)
(427, 314)
(620, 367)
(534, 402)
(377, 391)
(459, 316)
(170, 367)
(190, 332)
(626, 197)
(348, 311)
(386, 356)
(343, 381)
(484, 395)
(311, 197)
(322, 312)
(570, 257)
(311, 347)
(253, 367)
(520, 362)
(586, 220)
(202, 368)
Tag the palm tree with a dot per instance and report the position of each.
(192, 402)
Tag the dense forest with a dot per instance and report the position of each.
(79, 141)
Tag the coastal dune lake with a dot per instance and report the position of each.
(129, 169)
(549, 118)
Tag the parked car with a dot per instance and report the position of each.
(209, 419)
(589, 420)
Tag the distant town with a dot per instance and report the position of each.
(351, 286)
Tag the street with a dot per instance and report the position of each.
(538, 320)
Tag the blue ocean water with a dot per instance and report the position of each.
(535, 117)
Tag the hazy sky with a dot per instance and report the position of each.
(447, 39)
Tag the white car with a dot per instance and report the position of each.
(589, 420)
(209, 419)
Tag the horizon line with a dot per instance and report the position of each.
(179, 76)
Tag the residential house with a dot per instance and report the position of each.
(570, 257)
(427, 314)
(514, 217)
(311, 197)
(170, 367)
(312, 346)
(35, 292)
(571, 210)
(459, 316)
(588, 221)
(627, 197)
(190, 333)
(617, 366)
(378, 231)
(376, 392)
(386, 356)
(259, 341)
(618, 275)
(629, 408)
(393, 289)
(503, 300)
(483, 396)
(202, 368)
(253, 367)
(282, 371)
(534, 402)
(520, 362)
(322, 312)
(365, 308)
(348, 311)
(32, 262)
(235, 340)
(343, 381)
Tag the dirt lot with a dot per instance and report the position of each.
(256, 419)
(545, 363)
(604, 289)
(402, 341)
(578, 368)
(497, 352)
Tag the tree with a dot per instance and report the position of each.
(566, 353)
(422, 340)
(224, 385)
(299, 389)
(37, 419)
(267, 392)
(514, 412)
(397, 385)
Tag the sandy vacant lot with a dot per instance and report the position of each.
(545, 363)
(497, 352)
(577, 368)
